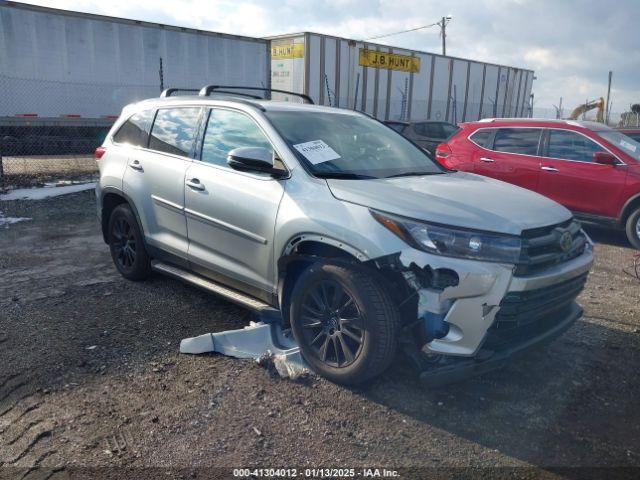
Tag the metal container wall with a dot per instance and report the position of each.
(55, 63)
(331, 71)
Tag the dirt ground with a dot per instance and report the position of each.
(91, 377)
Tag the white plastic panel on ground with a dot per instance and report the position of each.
(74, 64)
(420, 92)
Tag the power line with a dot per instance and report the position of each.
(403, 31)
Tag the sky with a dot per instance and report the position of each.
(570, 44)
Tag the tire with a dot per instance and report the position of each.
(633, 228)
(346, 337)
(126, 244)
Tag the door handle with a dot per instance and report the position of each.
(488, 160)
(135, 165)
(549, 169)
(195, 184)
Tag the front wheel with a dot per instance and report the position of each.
(633, 228)
(127, 245)
(344, 321)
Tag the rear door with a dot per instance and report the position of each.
(231, 214)
(569, 175)
(154, 178)
(511, 156)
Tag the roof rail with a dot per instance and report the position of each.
(167, 92)
(208, 89)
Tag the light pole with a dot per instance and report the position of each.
(443, 31)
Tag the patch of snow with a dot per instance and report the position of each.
(45, 192)
(6, 221)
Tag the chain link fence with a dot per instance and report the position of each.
(50, 129)
(30, 155)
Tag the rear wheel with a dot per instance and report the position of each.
(127, 245)
(344, 321)
(633, 228)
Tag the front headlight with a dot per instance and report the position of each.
(451, 241)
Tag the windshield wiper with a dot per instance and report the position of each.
(413, 174)
(343, 175)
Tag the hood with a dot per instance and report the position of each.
(456, 199)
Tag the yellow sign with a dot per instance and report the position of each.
(390, 61)
(287, 50)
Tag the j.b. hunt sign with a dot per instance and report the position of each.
(389, 61)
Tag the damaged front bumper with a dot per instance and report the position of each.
(488, 360)
(490, 313)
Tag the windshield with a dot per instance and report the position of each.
(627, 144)
(350, 146)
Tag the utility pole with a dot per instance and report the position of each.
(443, 32)
(607, 106)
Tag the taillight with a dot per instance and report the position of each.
(100, 151)
(442, 152)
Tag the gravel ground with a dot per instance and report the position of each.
(91, 377)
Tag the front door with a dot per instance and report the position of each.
(231, 214)
(569, 175)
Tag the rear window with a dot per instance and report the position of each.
(174, 130)
(483, 137)
(135, 131)
(522, 141)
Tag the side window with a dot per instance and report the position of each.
(227, 130)
(571, 146)
(174, 130)
(483, 137)
(135, 131)
(523, 141)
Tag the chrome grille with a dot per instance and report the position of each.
(548, 246)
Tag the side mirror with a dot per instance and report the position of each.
(605, 158)
(253, 159)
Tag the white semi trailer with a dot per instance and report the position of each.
(63, 64)
(397, 84)
(65, 76)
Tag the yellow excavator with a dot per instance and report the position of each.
(585, 107)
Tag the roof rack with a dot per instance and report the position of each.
(207, 90)
(167, 92)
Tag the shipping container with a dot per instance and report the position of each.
(393, 83)
(68, 66)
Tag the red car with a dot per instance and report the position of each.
(588, 167)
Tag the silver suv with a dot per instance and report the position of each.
(337, 226)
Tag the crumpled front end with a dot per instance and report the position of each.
(483, 310)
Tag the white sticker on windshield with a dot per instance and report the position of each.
(317, 151)
(627, 145)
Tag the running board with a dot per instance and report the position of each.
(210, 286)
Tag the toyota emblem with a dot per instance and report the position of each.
(566, 241)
